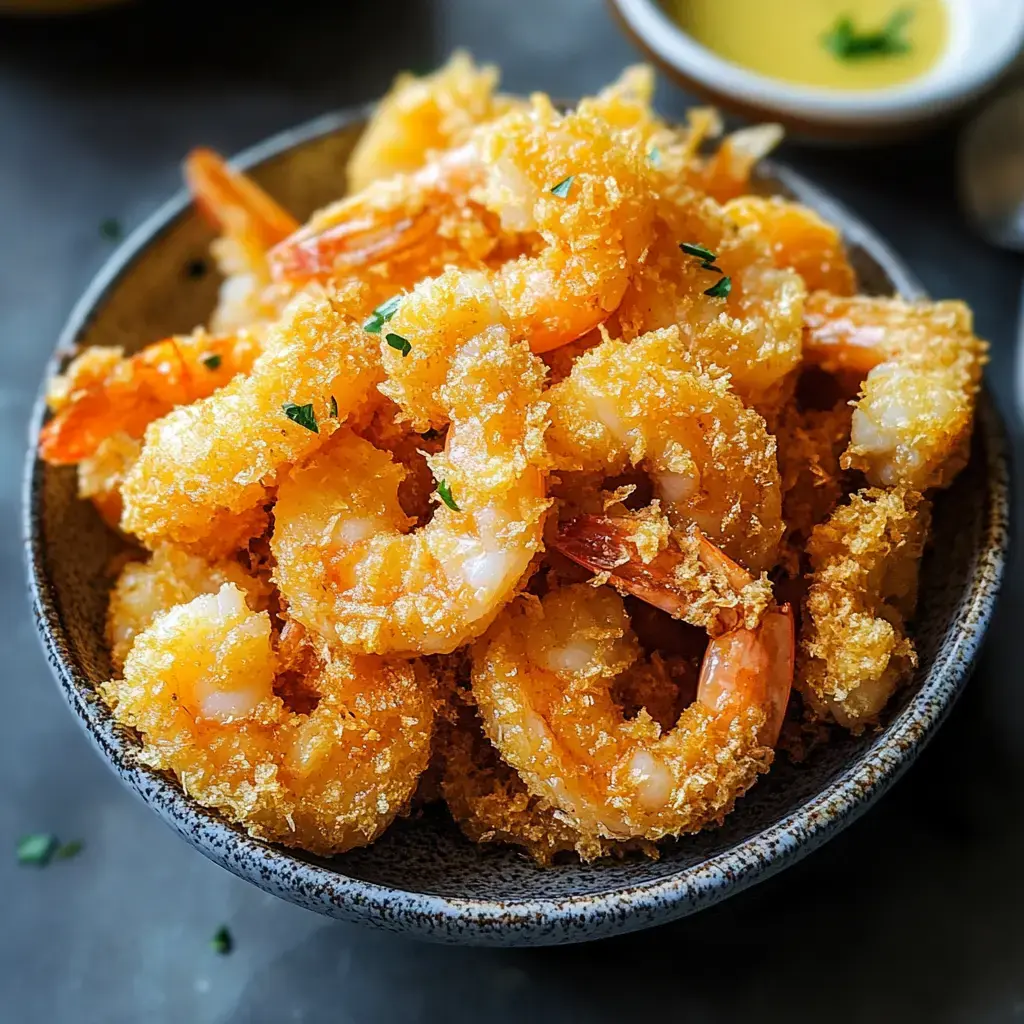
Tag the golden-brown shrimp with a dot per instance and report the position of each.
(712, 460)
(491, 804)
(855, 652)
(103, 392)
(542, 681)
(921, 368)
(735, 309)
(799, 240)
(102, 474)
(568, 182)
(203, 475)
(421, 116)
(234, 204)
(199, 686)
(250, 222)
(344, 563)
(145, 590)
(726, 173)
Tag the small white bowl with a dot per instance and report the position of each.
(984, 38)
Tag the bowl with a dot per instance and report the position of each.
(984, 38)
(422, 877)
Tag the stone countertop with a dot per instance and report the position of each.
(912, 914)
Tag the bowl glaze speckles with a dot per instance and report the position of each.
(423, 877)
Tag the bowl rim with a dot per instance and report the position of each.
(946, 85)
(481, 920)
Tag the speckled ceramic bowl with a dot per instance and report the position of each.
(422, 877)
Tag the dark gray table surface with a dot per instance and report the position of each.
(912, 914)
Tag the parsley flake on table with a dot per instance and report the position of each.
(222, 943)
(110, 229)
(36, 849)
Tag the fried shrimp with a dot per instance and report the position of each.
(799, 240)
(542, 681)
(199, 687)
(921, 369)
(419, 117)
(145, 590)
(855, 651)
(565, 186)
(711, 460)
(205, 469)
(735, 308)
(344, 563)
(103, 392)
(250, 222)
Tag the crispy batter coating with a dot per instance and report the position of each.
(754, 332)
(855, 650)
(811, 443)
(542, 681)
(421, 116)
(199, 688)
(145, 590)
(712, 461)
(344, 562)
(921, 365)
(205, 470)
(799, 240)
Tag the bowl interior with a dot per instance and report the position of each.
(155, 291)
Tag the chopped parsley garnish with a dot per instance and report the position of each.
(334, 408)
(382, 314)
(720, 289)
(846, 42)
(110, 229)
(68, 850)
(398, 343)
(36, 849)
(222, 943)
(212, 361)
(446, 496)
(655, 157)
(301, 414)
(562, 188)
(705, 255)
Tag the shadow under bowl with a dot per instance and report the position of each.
(422, 877)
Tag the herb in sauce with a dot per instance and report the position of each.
(847, 42)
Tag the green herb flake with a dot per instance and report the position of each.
(110, 229)
(222, 943)
(705, 255)
(654, 157)
(334, 408)
(68, 850)
(562, 188)
(846, 42)
(398, 343)
(36, 849)
(212, 361)
(382, 314)
(720, 289)
(301, 414)
(446, 496)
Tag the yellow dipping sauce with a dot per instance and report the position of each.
(839, 44)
